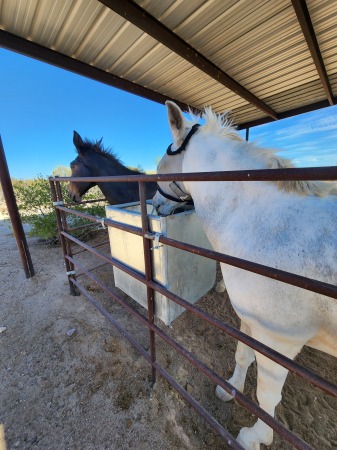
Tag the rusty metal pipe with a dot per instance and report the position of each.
(107, 222)
(289, 364)
(307, 173)
(324, 288)
(92, 269)
(320, 287)
(275, 356)
(150, 293)
(276, 274)
(203, 413)
(57, 197)
(13, 211)
(100, 244)
(83, 202)
(241, 398)
(280, 275)
(81, 227)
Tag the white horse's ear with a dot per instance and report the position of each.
(77, 140)
(176, 120)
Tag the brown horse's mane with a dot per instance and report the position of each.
(97, 147)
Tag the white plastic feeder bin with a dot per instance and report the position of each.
(185, 274)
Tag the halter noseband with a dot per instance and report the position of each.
(182, 197)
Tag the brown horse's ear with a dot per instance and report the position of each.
(77, 140)
(98, 143)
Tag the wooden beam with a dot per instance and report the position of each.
(304, 20)
(136, 15)
(18, 44)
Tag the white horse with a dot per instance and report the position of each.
(288, 225)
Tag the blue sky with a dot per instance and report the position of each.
(41, 105)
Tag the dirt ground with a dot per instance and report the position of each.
(69, 380)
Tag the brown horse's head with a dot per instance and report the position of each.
(80, 167)
(96, 162)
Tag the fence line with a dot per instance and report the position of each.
(62, 210)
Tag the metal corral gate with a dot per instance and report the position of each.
(62, 209)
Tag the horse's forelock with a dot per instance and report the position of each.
(218, 124)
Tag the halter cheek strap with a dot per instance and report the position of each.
(182, 197)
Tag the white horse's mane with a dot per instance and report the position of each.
(221, 125)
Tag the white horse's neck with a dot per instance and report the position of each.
(211, 153)
(240, 217)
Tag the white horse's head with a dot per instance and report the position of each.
(172, 194)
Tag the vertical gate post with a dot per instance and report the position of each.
(148, 273)
(14, 215)
(61, 220)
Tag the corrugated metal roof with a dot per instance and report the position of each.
(250, 57)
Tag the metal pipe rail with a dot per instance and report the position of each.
(320, 287)
(14, 215)
(206, 416)
(311, 173)
(241, 398)
(320, 173)
(289, 364)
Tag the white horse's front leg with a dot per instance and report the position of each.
(244, 356)
(220, 286)
(270, 381)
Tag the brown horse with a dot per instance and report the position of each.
(95, 161)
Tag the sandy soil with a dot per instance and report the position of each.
(91, 389)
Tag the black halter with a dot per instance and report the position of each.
(183, 146)
(182, 197)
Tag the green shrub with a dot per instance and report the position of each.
(36, 209)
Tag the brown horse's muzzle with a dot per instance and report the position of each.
(73, 193)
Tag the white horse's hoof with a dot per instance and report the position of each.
(222, 394)
(248, 439)
(220, 286)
